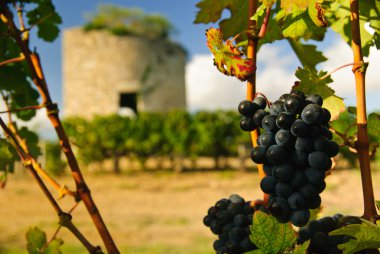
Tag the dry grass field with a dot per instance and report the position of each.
(150, 212)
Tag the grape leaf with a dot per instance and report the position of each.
(46, 19)
(7, 156)
(339, 17)
(373, 125)
(290, 6)
(227, 57)
(269, 235)
(211, 11)
(299, 25)
(36, 241)
(311, 83)
(317, 13)
(308, 54)
(302, 249)
(366, 234)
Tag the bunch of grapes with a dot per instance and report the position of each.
(230, 219)
(317, 232)
(295, 149)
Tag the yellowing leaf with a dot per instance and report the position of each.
(294, 5)
(316, 13)
(227, 57)
(269, 235)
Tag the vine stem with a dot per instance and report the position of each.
(38, 79)
(362, 144)
(356, 65)
(251, 83)
(13, 60)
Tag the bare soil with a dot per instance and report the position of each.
(151, 212)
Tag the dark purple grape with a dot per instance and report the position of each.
(247, 245)
(284, 138)
(299, 128)
(283, 172)
(296, 201)
(234, 208)
(276, 154)
(235, 198)
(258, 117)
(299, 159)
(304, 145)
(268, 184)
(212, 211)
(240, 220)
(207, 220)
(312, 114)
(299, 218)
(236, 234)
(267, 139)
(285, 120)
(326, 116)
(269, 123)
(233, 247)
(299, 94)
(319, 160)
(314, 202)
(216, 227)
(326, 132)
(222, 204)
(308, 190)
(218, 244)
(247, 124)
(298, 179)
(320, 187)
(315, 176)
(283, 189)
(320, 143)
(283, 97)
(279, 207)
(261, 102)
(293, 104)
(224, 216)
(276, 108)
(258, 154)
(247, 108)
(315, 99)
(332, 149)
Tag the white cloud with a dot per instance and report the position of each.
(208, 89)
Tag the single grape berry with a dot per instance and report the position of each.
(258, 154)
(312, 114)
(315, 99)
(268, 184)
(315, 176)
(276, 108)
(267, 139)
(298, 93)
(319, 160)
(299, 128)
(283, 172)
(296, 201)
(298, 179)
(284, 138)
(247, 108)
(283, 189)
(293, 104)
(285, 120)
(276, 154)
(261, 102)
(258, 117)
(247, 124)
(299, 218)
(269, 123)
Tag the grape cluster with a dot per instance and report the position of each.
(317, 232)
(230, 219)
(295, 149)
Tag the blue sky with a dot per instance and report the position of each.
(276, 63)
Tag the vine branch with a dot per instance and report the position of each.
(38, 79)
(13, 60)
(362, 143)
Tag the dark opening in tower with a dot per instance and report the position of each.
(128, 100)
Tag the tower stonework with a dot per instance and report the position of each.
(104, 73)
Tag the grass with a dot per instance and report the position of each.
(149, 213)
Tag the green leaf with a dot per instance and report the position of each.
(46, 19)
(270, 236)
(302, 249)
(36, 243)
(7, 156)
(210, 11)
(308, 54)
(311, 83)
(227, 57)
(377, 205)
(373, 125)
(291, 6)
(366, 234)
(299, 25)
(36, 239)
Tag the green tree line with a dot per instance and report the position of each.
(175, 135)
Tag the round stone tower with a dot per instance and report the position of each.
(105, 74)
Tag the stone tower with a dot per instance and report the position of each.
(105, 74)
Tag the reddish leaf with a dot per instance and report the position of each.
(227, 57)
